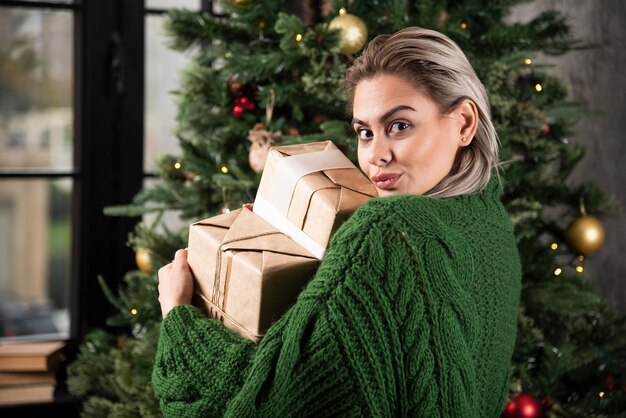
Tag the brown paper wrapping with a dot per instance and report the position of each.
(246, 273)
(323, 200)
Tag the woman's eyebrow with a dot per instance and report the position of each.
(385, 115)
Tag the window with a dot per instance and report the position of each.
(36, 153)
(77, 81)
(85, 109)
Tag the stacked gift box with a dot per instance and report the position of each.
(250, 266)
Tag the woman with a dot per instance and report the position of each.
(413, 309)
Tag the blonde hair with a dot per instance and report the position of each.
(437, 67)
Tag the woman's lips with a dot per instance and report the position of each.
(386, 180)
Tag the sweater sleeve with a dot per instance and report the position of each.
(302, 366)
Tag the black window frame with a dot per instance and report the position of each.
(108, 141)
(108, 96)
(108, 146)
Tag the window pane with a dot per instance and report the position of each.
(163, 70)
(35, 88)
(179, 4)
(35, 234)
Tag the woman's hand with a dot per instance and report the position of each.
(175, 283)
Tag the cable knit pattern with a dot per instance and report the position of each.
(411, 313)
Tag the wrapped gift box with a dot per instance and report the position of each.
(308, 190)
(250, 267)
(246, 273)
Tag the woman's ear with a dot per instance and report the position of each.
(467, 115)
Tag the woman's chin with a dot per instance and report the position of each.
(388, 192)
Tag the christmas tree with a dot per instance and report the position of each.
(269, 73)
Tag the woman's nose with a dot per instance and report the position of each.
(380, 152)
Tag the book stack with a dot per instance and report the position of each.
(27, 371)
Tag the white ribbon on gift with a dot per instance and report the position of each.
(288, 172)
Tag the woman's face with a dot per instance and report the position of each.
(405, 144)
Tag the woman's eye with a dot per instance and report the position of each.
(364, 134)
(396, 127)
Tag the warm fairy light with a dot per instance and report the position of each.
(342, 11)
(579, 269)
(224, 169)
(557, 271)
(601, 394)
(538, 87)
(228, 54)
(581, 258)
(298, 37)
(528, 61)
(463, 25)
(261, 24)
(133, 311)
(177, 166)
(554, 246)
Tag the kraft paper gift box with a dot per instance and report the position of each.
(250, 267)
(246, 273)
(308, 190)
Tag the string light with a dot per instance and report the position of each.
(463, 25)
(228, 54)
(557, 271)
(298, 37)
(579, 269)
(224, 169)
(581, 258)
(601, 394)
(133, 311)
(528, 61)
(538, 87)
(177, 166)
(554, 246)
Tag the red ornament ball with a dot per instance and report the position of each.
(238, 110)
(246, 102)
(524, 405)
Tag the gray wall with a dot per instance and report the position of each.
(597, 78)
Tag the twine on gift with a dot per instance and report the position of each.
(229, 267)
(230, 254)
(216, 280)
(217, 293)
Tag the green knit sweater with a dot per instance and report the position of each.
(412, 313)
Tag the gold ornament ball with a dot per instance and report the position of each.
(353, 32)
(142, 258)
(585, 234)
